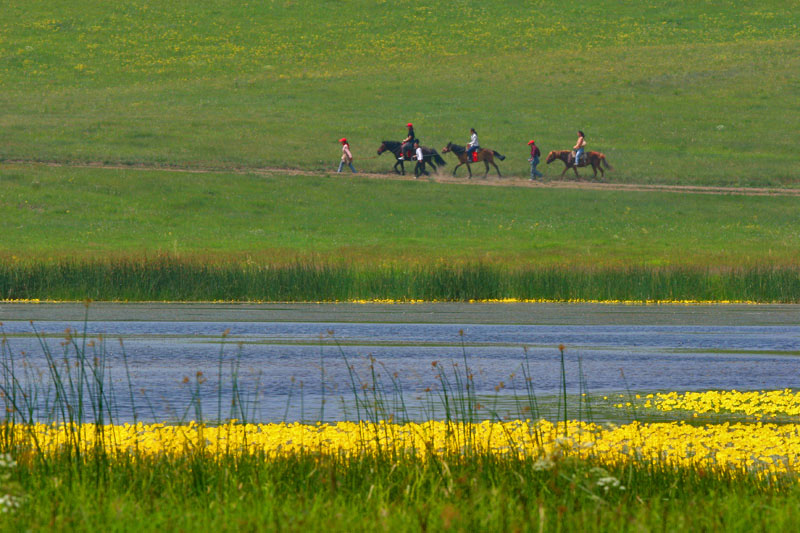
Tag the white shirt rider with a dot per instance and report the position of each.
(473, 140)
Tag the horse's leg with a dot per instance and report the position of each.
(456, 168)
(576, 172)
(496, 168)
(564, 172)
(486, 162)
(470, 170)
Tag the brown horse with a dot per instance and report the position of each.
(484, 154)
(596, 159)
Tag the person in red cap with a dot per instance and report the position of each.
(347, 156)
(535, 154)
(408, 142)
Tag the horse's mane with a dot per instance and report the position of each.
(457, 148)
(392, 144)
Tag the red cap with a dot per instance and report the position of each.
(342, 140)
(409, 125)
(531, 142)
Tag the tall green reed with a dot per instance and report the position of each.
(168, 278)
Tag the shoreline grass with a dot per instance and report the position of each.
(304, 492)
(175, 279)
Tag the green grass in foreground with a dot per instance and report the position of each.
(305, 493)
(672, 92)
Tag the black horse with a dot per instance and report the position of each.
(429, 155)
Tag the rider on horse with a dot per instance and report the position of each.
(473, 145)
(578, 148)
(408, 142)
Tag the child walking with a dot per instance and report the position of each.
(534, 159)
(420, 157)
(347, 156)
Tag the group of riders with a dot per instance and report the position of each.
(410, 148)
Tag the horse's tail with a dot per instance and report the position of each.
(605, 163)
(498, 155)
(438, 159)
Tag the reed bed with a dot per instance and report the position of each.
(175, 279)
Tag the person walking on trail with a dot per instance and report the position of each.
(420, 168)
(535, 154)
(579, 146)
(473, 145)
(347, 156)
(408, 142)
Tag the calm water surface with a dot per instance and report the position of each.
(280, 361)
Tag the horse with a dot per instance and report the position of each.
(429, 155)
(596, 159)
(484, 154)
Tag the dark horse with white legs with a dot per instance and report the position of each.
(596, 159)
(429, 155)
(484, 154)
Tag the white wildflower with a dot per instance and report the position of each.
(8, 503)
(609, 482)
(545, 463)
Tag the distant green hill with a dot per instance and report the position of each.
(672, 92)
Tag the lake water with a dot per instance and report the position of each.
(281, 360)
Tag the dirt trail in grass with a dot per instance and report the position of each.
(491, 181)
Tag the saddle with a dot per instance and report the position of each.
(474, 157)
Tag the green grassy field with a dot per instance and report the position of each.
(688, 92)
(98, 213)
(75, 233)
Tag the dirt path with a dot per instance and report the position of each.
(446, 177)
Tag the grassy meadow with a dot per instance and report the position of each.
(672, 92)
(75, 233)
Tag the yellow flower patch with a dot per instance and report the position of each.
(764, 449)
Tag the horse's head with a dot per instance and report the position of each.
(382, 148)
(552, 156)
(447, 148)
